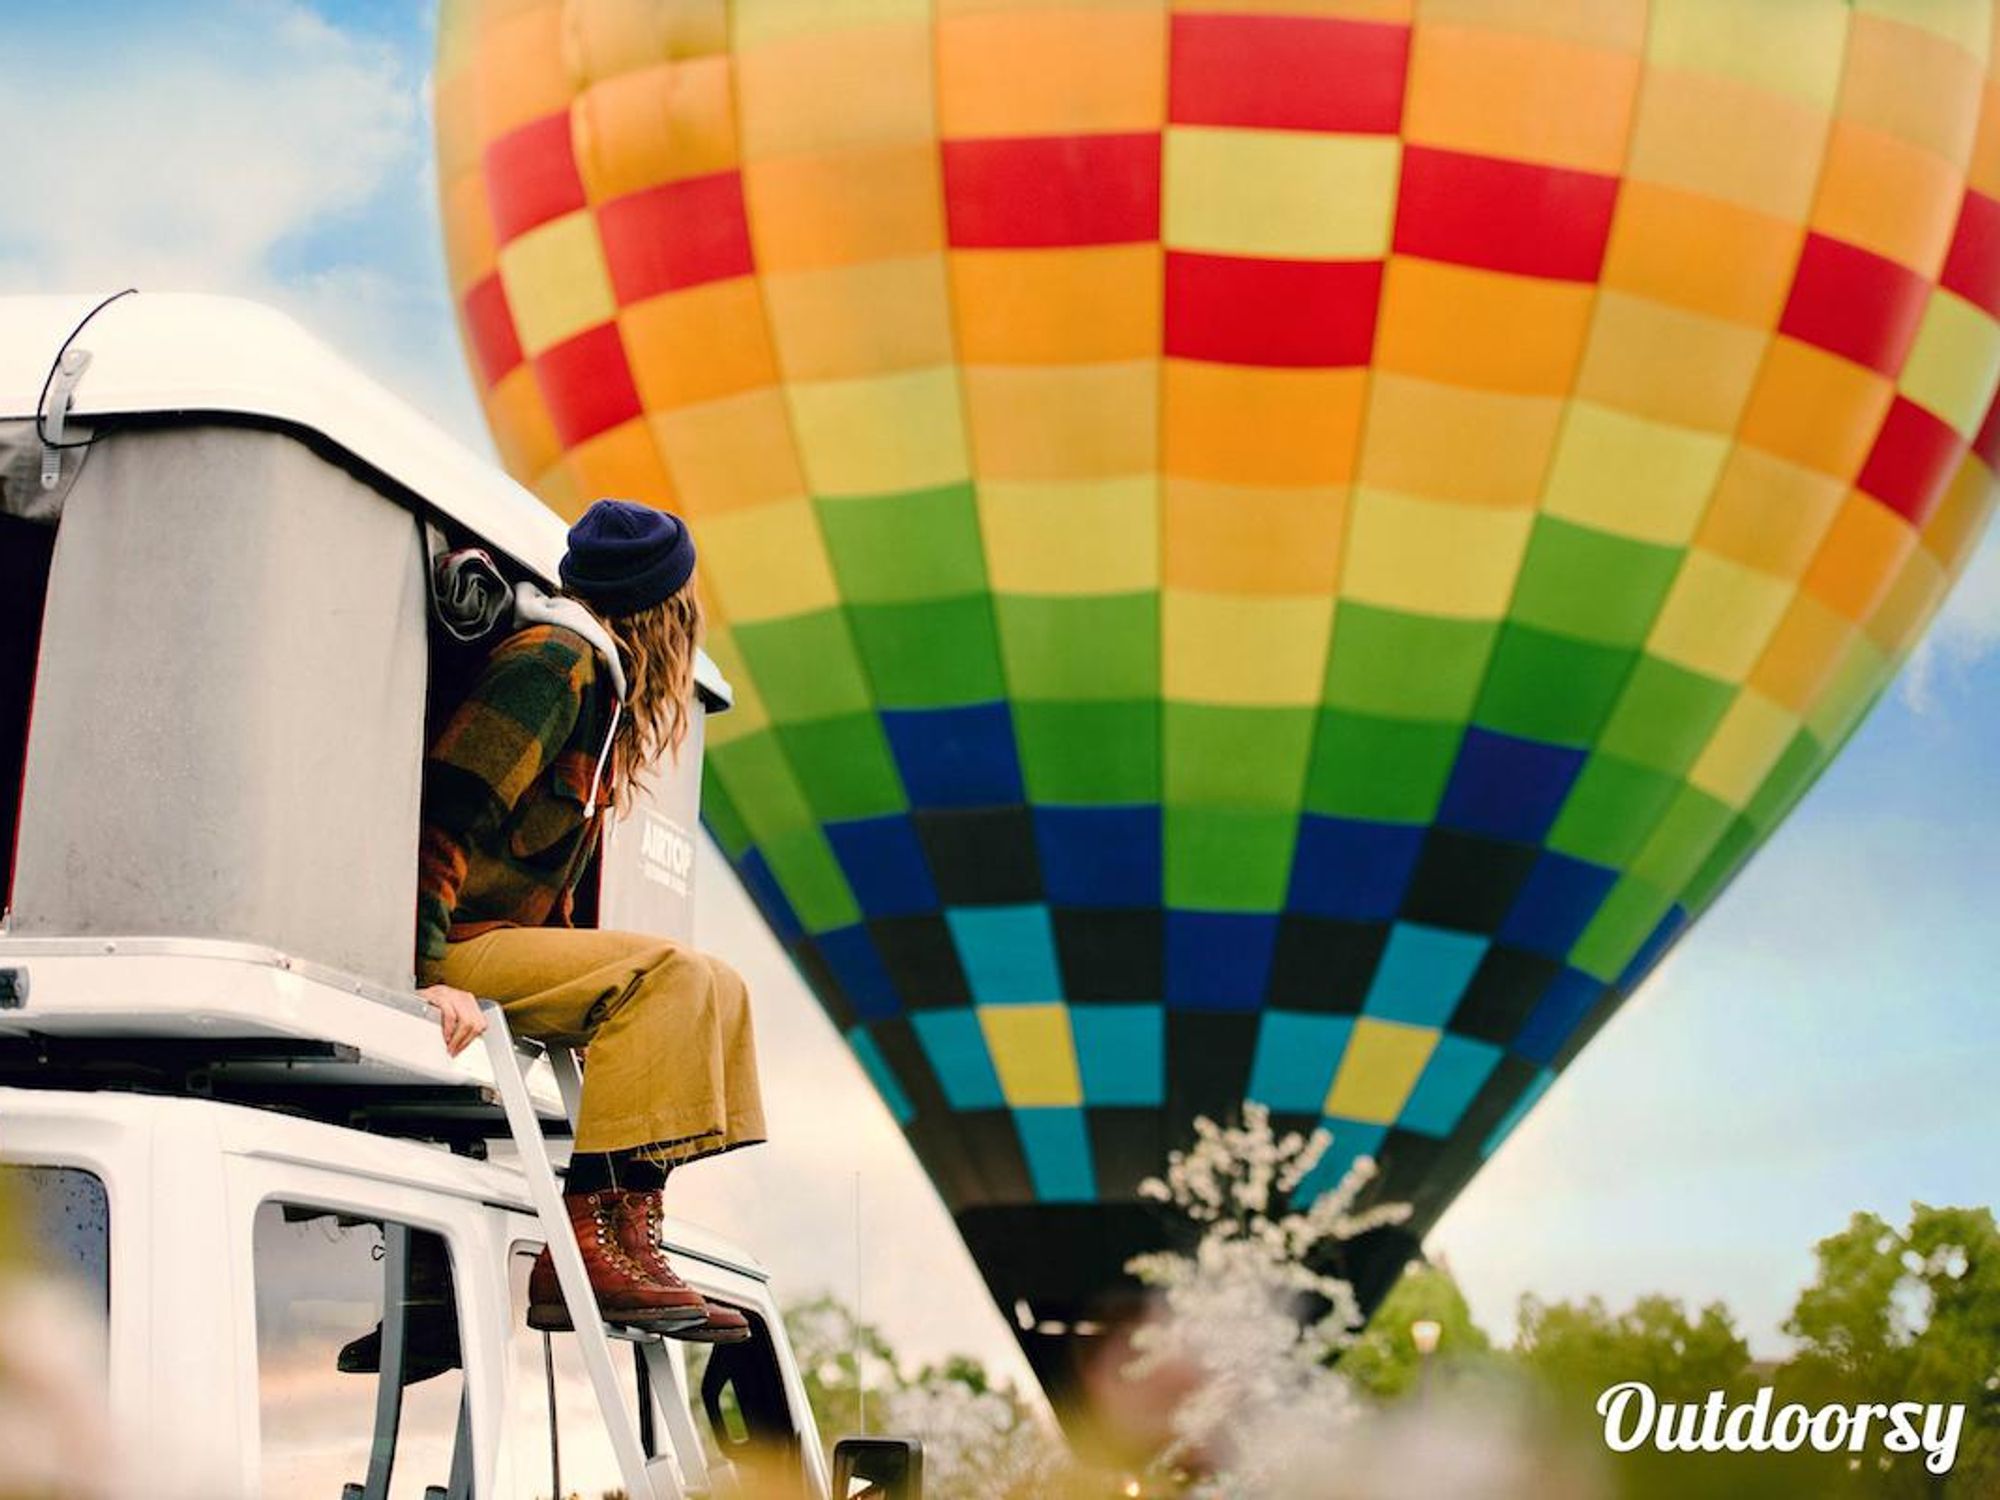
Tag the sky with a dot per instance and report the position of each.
(1823, 1043)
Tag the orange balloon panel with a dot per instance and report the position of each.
(1276, 550)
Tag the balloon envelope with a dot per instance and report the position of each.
(1276, 551)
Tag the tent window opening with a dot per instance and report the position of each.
(27, 549)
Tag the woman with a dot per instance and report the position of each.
(516, 788)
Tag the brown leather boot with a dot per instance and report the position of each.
(626, 1294)
(640, 1218)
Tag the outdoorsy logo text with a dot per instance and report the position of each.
(1633, 1415)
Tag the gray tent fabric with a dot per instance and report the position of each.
(228, 719)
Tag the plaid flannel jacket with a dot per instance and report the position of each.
(505, 839)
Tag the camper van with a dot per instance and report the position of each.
(224, 1113)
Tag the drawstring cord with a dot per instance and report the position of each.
(597, 776)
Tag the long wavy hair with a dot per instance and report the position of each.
(658, 646)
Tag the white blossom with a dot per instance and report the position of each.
(1246, 1311)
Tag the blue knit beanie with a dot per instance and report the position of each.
(624, 557)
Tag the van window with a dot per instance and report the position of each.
(556, 1441)
(739, 1395)
(65, 1220)
(328, 1418)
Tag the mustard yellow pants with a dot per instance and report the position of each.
(672, 1067)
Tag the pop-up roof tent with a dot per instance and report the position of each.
(215, 652)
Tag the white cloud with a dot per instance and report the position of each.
(187, 160)
(196, 156)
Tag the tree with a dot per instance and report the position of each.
(844, 1363)
(1384, 1360)
(1583, 1348)
(1577, 1350)
(1908, 1315)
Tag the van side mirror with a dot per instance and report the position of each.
(878, 1468)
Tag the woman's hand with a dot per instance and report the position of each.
(459, 1016)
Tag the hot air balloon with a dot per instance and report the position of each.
(1273, 550)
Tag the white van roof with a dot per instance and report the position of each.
(189, 354)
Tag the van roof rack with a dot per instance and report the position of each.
(319, 1080)
(245, 1025)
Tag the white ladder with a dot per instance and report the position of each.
(681, 1471)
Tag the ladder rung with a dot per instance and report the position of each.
(334, 1082)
